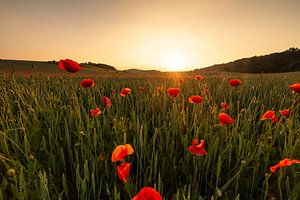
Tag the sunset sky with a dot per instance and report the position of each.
(158, 34)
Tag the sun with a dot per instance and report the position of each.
(174, 63)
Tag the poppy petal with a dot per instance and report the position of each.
(283, 163)
(123, 170)
(234, 82)
(124, 92)
(198, 77)
(195, 99)
(86, 83)
(173, 92)
(96, 112)
(197, 149)
(224, 105)
(285, 112)
(147, 193)
(225, 119)
(106, 101)
(121, 152)
(295, 87)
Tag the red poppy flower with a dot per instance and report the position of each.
(181, 81)
(195, 99)
(123, 170)
(286, 112)
(198, 77)
(69, 65)
(96, 112)
(113, 92)
(283, 163)
(86, 83)
(121, 152)
(234, 82)
(275, 119)
(225, 105)
(194, 142)
(270, 114)
(295, 87)
(225, 119)
(197, 149)
(125, 91)
(141, 89)
(147, 193)
(106, 101)
(173, 92)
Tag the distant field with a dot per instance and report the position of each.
(27, 66)
(21, 67)
(52, 148)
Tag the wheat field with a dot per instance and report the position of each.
(52, 148)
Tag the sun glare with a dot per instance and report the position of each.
(175, 63)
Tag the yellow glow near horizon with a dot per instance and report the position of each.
(175, 62)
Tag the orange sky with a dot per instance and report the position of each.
(163, 35)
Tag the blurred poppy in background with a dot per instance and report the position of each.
(205, 90)
(125, 91)
(286, 112)
(142, 89)
(106, 101)
(198, 77)
(96, 112)
(87, 83)
(195, 99)
(173, 92)
(224, 105)
(225, 119)
(234, 82)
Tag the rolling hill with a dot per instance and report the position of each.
(24, 66)
(286, 61)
